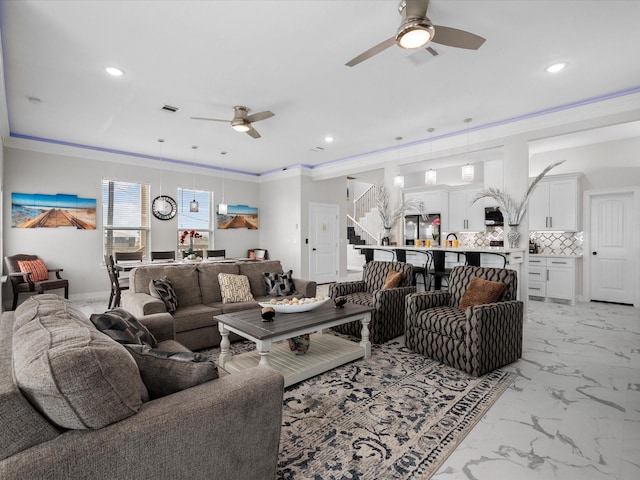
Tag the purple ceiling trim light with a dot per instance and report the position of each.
(566, 106)
(485, 126)
(122, 152)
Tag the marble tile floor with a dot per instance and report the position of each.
(573, 412)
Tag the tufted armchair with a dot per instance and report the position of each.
(387, 320)
(479, 338)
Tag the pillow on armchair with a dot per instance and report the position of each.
(481, 292)
(38, 269)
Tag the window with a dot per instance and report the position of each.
(199, 221)
(125, 217)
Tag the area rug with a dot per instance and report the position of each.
(396, 415)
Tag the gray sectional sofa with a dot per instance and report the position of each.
(199, 297)
(73, 405)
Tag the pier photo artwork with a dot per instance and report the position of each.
(238, 216)
(34, 210)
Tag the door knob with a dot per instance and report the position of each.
(313, 249)
(594, 253)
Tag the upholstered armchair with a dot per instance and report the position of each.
(387, 320)
(463, 330)
(34, 276)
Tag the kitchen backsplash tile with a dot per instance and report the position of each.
(556, 243)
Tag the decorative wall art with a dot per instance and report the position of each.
(238, 216)
(34, 210)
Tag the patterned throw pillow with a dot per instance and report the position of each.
(164, 373)
(161, 288)
(279, 284)
(37, 268)
(234, 288)
(123, 327)
(481, 292)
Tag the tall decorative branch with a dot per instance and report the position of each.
(512, 210)
(388, 216)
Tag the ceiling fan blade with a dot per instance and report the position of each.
(457, 38)
(372, 51)
(256, 117)
(416, 8)
(210, 119)
(253, 132)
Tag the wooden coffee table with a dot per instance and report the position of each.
(326, 351)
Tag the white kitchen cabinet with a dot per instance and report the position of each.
(554, 204)
(464, 216)
(428, 201)
(552, 277)
(493, 178)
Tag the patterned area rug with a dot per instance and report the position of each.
(396, 415)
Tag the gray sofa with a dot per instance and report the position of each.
(225, 428)
(199, 298)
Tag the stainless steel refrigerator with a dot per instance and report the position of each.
(419, 227)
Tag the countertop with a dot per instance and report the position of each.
(503, 250)
(552, 255)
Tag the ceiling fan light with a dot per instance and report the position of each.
(241, 126)
(414, 33)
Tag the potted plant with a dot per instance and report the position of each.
(512, 210)
(191, 234)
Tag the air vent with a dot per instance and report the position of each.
(169, 108)
(317, 149)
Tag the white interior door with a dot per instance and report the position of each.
(323, 242)
(612, 263)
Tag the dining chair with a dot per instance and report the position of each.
(126, 257)
(117, 283)
(216, 253)
(163, 255)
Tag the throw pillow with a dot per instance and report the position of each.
(161, 288)
(288, 288)
(234, 288)
(272, 280)
(164, 373)
(123, 327)
(279, 284)
(394, 279)
(480, 292)
(37, 268)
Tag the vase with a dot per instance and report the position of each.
(300, 344)
(513, 236)
(386, 240)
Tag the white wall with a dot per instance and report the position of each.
(604, 165)
(79, 252)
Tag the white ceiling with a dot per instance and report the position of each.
(288, 57)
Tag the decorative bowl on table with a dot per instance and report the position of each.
(302, 305)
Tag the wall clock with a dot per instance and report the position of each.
(164, 207)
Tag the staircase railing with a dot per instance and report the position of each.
(365, 202)
(362, 232)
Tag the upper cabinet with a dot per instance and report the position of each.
(464, 216)
(555, 205)
(428, 201)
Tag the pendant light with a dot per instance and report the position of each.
(467, 170)
(430, 176)
(398, 181)
(223, 207)
(194, 206)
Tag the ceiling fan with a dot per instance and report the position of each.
(242, 120)
(416, 30)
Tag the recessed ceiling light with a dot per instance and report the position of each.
(328, 139)
(114, 72)
(556, 67)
